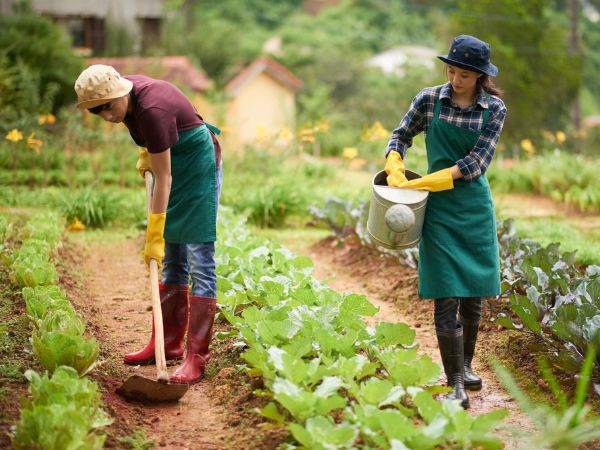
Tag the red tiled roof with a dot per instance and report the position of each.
(271, 68)
(175, 69)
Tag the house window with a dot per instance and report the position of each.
(150, 32)
(85, 32)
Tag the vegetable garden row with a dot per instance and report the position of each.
(64, 410)
(332, 381)
(547, 293)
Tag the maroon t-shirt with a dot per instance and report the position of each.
(160, 111)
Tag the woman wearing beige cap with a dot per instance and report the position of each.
(184, 157)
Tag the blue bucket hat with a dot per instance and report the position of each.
(468, 52)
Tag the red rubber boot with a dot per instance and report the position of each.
(174, 306)
(202, 316)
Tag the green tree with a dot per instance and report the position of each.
(42, 53)
(539, 75)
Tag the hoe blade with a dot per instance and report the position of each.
(142, 389)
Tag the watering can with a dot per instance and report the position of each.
(396, 214)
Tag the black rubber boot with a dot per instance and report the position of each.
(470, 329)
(451, 349)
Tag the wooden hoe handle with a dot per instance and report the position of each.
(159, 337)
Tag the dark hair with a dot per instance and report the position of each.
(485, 82)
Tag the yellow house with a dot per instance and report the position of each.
(261, 101)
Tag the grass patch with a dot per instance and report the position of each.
(547, 230)
(295, 239)
(137, 441)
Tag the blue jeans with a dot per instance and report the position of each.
(196, 260)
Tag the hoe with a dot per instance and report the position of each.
(144, 389)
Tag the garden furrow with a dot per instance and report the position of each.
(117, 300)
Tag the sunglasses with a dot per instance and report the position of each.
(98, 109)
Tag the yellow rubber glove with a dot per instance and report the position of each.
(394, 167)
(434, 182)
(143, 162)
(155, 242)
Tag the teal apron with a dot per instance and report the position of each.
(458, 252)
(191, 212)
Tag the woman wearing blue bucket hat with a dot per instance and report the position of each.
(458, 252)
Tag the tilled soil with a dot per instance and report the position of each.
(109, 284)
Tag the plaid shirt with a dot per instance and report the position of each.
(420, 115)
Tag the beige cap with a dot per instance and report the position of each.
(99, 84)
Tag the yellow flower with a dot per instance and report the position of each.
(76, 225)
(322, 126)
(14, 135)
(286, 134)
(34, 144)
(527, 146)
(350, 152)
(307, 135)
(375, 133)
(261, 131)
(46, 118)
(225, 130)
(561, 137)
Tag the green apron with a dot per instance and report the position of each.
(458, 252)
(191, 212)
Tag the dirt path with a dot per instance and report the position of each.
(354, 269)
(537, 206)
(116, 300)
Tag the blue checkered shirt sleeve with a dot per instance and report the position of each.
(413, 123)
(477, 161)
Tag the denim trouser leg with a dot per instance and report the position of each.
(175, 264)
(196, 260)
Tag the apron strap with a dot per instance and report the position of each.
(436, 111)
(212, 128)
(486, 113)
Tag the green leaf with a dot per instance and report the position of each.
(331, 435)
(427, 406)
(373, 391)
(489, 421)
(394, 334)
(301, 435)
(359, 305)
(506, 322)
(270, 411)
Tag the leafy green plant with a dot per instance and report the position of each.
(63, 413)
(92, 207)
(552, 298)
(138, 441)
(565, 426)
(270, 205)
(40, 300)
(333, 381)
(54, 349)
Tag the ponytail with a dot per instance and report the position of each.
(484, 82)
